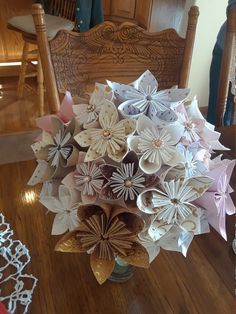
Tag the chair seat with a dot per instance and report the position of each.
(53, 23)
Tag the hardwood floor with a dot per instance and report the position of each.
(16, 115)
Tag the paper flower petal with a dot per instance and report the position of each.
(138, 256)
(69, 244)
(150, 167)
(102, 268)
(84, 138)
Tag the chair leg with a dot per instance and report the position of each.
(21, 82)
(40, 88)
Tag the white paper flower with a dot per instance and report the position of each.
(174, 202)
(191, 128)
(110, 139)
(157, 147)
(87, 113)
(142, 96)
(192, 164)
(65, 206)
(209, 137)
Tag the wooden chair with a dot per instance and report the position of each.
(120, 53)
(227, 64)
(62, 16)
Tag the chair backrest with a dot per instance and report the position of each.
(63, 8)
(228, 61)
(119, 53)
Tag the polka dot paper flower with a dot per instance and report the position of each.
(156, 147)
(110, 139)
(87, 113)
(143, 97)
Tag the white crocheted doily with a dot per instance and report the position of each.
(14, 256)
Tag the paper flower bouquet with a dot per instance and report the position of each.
(128, 170)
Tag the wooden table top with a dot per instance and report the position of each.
(201, 283)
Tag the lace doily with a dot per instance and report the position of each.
(14, 256)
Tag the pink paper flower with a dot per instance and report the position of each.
(216, 199)
(87, 178)
(65, 114)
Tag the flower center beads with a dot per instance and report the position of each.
(149, 97)
(128, 183)
(174, 201)
(188, 126)
(91, 108)
(157, 143)
(104, 237)
(107, 134)
(87, 179)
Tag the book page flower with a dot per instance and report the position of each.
(58, 151)
(143, 97)
(65, 206)
(106, 232)
(87, 113)
(217, 200)
(110, 139)
(126, 182)
(156, 147)
(174, 201)
(87, 178)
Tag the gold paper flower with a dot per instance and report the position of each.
(107, 231)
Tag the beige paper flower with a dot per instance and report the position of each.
(57, 152)
(107, 231)
(110, 139)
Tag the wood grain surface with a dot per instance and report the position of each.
(201, 283)
(11, 43)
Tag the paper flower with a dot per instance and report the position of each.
(174, 201)
(216, 200)
(142, 97)
(87, 179)
(127, 181)
(173, 237)
(107, 232)
(110, 139)
(87, 113)
(65, 114)
(209, 137)
(56, 152)
(191, 128)
(65, 206)
(156, 147)
(193, 163)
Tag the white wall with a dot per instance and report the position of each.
(212, 15)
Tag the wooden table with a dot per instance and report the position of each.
(202, 283)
